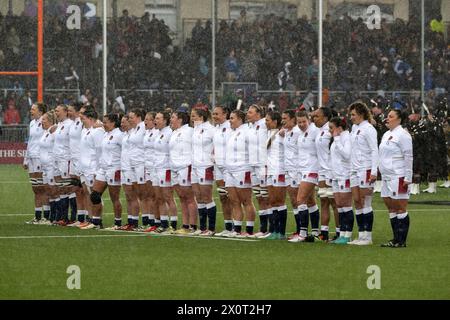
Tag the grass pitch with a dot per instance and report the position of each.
(118, 265)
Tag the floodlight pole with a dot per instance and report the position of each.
(319, 92)
(422, 53)
(213, 54)
(105, 55)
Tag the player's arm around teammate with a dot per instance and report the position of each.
(396, 162)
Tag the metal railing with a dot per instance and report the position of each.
(13, 133)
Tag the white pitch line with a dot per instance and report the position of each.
(184, 236)
(74, 236)
(128, 234)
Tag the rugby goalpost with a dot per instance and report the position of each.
(40, 55)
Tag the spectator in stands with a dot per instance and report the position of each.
(232, 67)
(11, 115)
(72, 79)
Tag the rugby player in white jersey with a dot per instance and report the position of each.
(203, 170)
(62, 164)
(340, 153)
(162, 180)
(238, 175)
(321, 118)
(31, 161)
(90, 155)
(291, 132)
(76, 197)
(150, 211)
(276, 175)
(108, 174)
(308, 167)
(46, 159)
(364, 169)
(180, 146)
(126, 176)
(258, 160)
(220, 117)
(396, 167)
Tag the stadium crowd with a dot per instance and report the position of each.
(279, 53)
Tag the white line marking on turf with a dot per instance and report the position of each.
(74, 236)
(128, 234)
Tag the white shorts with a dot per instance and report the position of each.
(62, 168)
(127, 177)
(74, 168)
(139, 173)
(326, 178)
(149, 174)
(48, 175)
(88, 180)
(162, 178)
(34, 165)
(219, 173)
(111, 177)
(259, 176)
(341, 186)
(277, 180)
(394, 189)
(240, 179)
(311, 177)
(181, 177)
(293, 179)
(360, 179)
(203, 176)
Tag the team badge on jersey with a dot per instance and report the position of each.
(257, 127)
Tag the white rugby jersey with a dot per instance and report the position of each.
(46, 144)
(202, 145)
(323, 150)
(340, 153)
(237, 151)
(161, 148)
(221, 136)
(396, 155)
(291, 149)
(149, 144)
(136, 141)
(364, 147)
(90, 150)
(111, 150)
(257, 143)
(180, 146)
(74, 139)
(125, 161)
(307, 151)
(35, 133)
(62, 140)
(275, 153)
